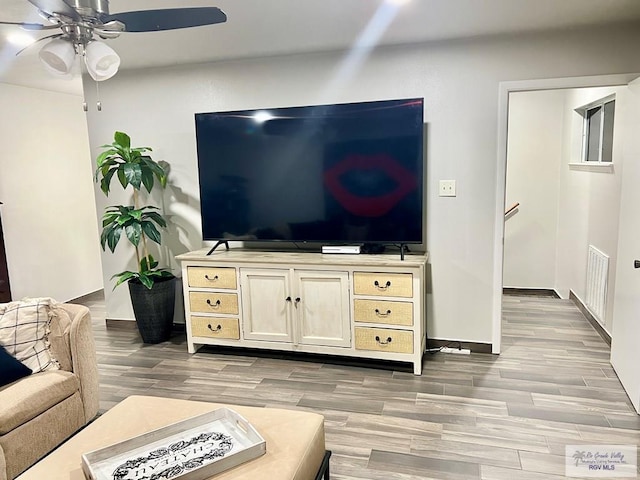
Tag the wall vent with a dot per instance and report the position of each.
(597, 275)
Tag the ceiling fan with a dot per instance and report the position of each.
(83, 22)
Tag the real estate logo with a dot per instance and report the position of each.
(601, 461)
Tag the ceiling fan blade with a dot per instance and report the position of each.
(31, 26)
(167, 19)
(56, 6)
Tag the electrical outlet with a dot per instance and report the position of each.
(447, 188)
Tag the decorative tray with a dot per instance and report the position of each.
(193, 449)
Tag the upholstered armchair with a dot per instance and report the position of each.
(40, 411)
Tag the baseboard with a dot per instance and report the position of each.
(534, 292)
(590, 318)
(97, 295)
(473, 346)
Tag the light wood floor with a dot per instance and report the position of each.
(467, 417)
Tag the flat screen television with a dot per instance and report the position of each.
(332, 174)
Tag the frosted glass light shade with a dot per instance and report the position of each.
(58, 56)
(102, 61)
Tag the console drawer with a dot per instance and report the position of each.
(215, 327)
(383, 311)
(212, 277)
(384, 340)
(213, 302)
(383, 284)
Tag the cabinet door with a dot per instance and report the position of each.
(322, 311)
(266, 310)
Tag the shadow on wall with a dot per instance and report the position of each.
(182, 212)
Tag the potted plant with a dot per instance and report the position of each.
(151, 288)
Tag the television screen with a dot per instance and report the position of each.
(336, 174)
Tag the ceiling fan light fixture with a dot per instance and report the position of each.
(102, 61)
(58, 56)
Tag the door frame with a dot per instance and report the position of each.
(505, 88)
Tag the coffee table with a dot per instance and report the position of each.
(294, 439)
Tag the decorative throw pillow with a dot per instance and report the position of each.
(24, 330)
(11, 369)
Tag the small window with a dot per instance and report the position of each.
(597, 131)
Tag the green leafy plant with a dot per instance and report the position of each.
(134, 167)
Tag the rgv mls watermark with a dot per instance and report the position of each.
(601, 461)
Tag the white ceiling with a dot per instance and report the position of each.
(257, 28)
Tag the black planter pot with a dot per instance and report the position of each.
(153, 308)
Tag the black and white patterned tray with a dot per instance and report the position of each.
(193, 449)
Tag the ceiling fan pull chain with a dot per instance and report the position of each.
(80, 60)
(98, 103)
(83, 71)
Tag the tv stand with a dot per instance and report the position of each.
(218, 243)
(361, 306)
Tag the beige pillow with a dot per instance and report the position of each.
(24, 331)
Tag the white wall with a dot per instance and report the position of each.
(533, 177)
(49, 216)
(589, 202)
(459, 81)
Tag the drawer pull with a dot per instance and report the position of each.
(212, 305)
(218, 329)
(382, 287)
(381, 314)
(387, 342)
(211, 279)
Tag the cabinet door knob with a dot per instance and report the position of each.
(288, 299)
(297, 300)
(382, 287)
(636, 264)
(383, 342)
(381, 314)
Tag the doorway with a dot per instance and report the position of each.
(567, 228)
(506, 88)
